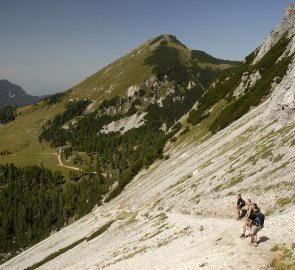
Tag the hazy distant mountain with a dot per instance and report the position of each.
(13, 95)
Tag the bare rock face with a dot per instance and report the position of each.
(286, 25)
(131, 90)
(290, 11)
(282, 103)
(247, 80)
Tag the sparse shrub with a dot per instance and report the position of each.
(55, 254)
(266, 154)
(278, 158)
(218, 188)
(268, 212)
(283, 201)
(186, 130)
(234, 181)
(100, 231)
(177, 126)
(284, 259)
(173, 139)
(275, 248)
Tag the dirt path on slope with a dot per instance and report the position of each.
(60, 163)
(190, 242)
(66, 166)
(151, 239)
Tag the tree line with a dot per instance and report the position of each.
(7, 114)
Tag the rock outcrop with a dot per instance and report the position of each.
(287, 25)
(282, 104)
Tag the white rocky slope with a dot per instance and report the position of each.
(179, 213)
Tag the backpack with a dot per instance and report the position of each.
(258, 219)
(243, 202)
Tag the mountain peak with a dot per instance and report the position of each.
(290, 11)
(288, 21)
(168, 38)
(285, 27)
(160, 56)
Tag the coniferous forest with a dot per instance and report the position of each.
(35, 201)
(119, 156)
(7, 114)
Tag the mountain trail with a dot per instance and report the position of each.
(189, 242)
(65, 166)
(151, 239)
(60, 163)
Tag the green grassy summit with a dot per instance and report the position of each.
(163, 54)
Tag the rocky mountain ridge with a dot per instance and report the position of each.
(282, 101)
(285, 26)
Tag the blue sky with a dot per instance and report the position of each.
(48, 46)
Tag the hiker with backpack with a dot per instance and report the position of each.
(247, 224)
(257, 223)
(240, 204)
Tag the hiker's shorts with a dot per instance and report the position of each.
(248, 223)
(254, 230)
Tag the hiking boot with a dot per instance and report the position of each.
(253, 244)
(242, 236)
